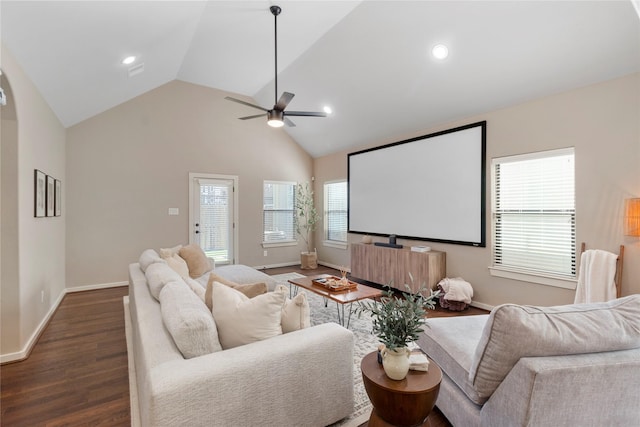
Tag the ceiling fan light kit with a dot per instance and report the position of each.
(277, 116)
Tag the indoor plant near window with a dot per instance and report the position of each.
(397, 321)
(306, 219)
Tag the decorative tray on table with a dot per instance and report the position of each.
(335, 284)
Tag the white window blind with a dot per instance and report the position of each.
(534, 213)
(278, 212)
(215, 219)
(335, 211)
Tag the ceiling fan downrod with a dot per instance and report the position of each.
(275, 10)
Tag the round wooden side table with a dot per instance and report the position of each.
(404, 403)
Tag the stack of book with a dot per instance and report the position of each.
(418, 361)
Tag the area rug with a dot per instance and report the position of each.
(365, 343)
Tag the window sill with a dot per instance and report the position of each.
(547, 280)
(335, 244)
(279, 244)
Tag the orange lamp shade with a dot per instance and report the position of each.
(632, 217)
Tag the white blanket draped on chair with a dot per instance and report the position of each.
(596, 277)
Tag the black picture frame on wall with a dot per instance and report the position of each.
(50, 195)
(40, 194)
(58, 198)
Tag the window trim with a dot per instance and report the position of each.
(567, 281)
(338, 244)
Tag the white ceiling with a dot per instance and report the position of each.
(368, 60)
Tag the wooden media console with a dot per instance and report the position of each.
(389, 266)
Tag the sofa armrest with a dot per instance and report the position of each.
(583, 389)
(300, 378)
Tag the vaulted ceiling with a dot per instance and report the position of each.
(369, 61)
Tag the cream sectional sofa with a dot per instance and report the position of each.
(302, 378)
(573, 365)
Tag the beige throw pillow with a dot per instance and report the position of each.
(249, 289)
(242, 320)
(295, 313)
(196, 259)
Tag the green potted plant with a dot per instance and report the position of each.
(398, 321)
(306, 219)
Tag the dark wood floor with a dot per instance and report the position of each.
(77, 373)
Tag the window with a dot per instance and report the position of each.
(534, 219)
(278, 213)
(335, 212)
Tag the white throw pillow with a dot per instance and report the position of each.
(242, 320)
(188, 320)
(296, 313)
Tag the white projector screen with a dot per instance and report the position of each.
(427, 188)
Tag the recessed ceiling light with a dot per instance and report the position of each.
(327, 109)
(128, 60)
(440, 51)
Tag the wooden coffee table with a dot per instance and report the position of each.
(341, 298)
(407, 402)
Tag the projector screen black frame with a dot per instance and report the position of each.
(478, 198)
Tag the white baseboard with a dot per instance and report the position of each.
(283, 264)
(95, 287)
(26, 350)
(337, 267)
(33, 339)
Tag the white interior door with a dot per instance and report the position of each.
(213, 213)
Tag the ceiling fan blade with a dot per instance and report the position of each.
(288, 122)
(305, 113)
(284, 100)
(245, 103)
(251, 117)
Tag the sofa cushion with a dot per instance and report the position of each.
(514, 331)
(196, 260)
(148, 257)
(188, 320)
(451, 343)
(158, 275)
(242, 320)
(196, 287)
(296, 313)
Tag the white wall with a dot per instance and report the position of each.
(41, 241)
(127, 166)
(602, 122)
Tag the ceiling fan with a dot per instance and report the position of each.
(277, 116)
